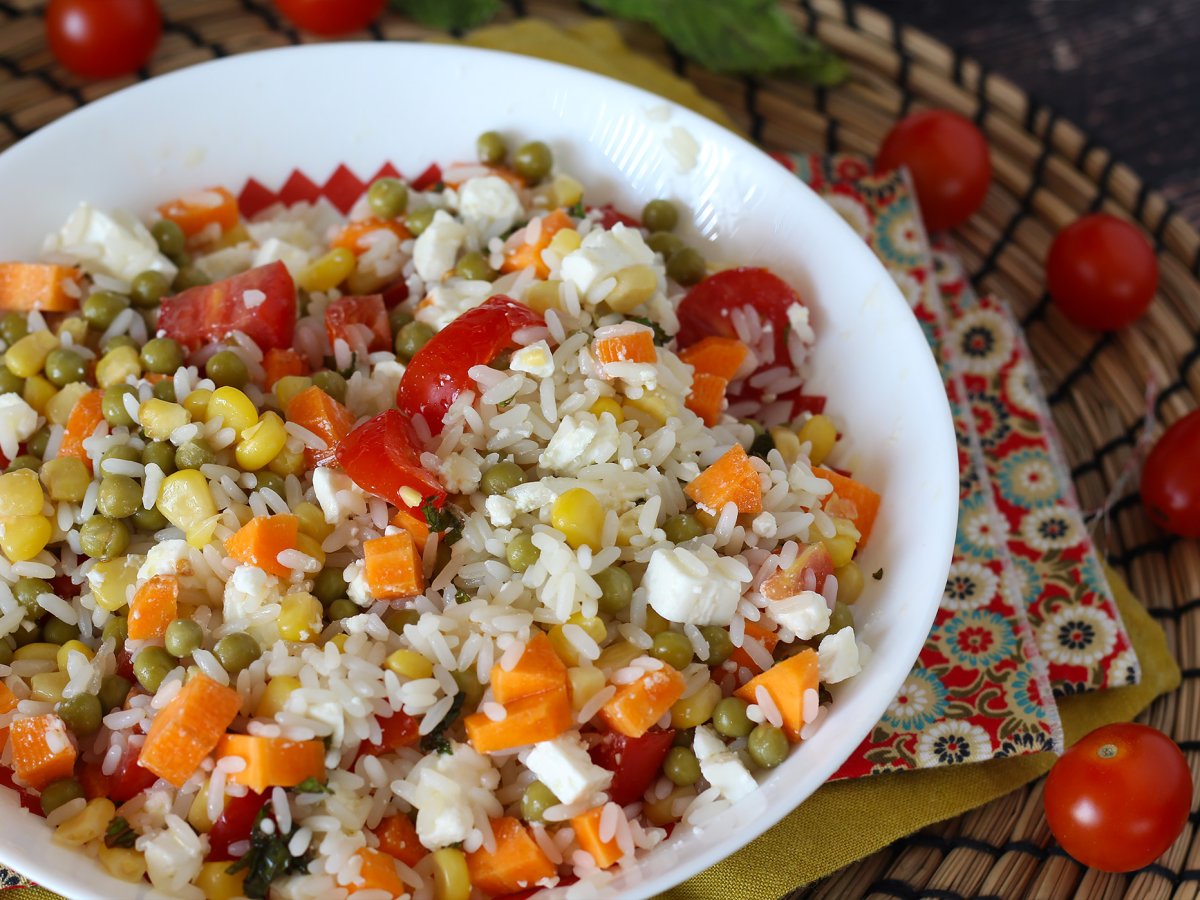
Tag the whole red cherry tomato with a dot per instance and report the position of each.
(1101, 272)
(948, 158)
(1171, 478)
(1119, 798)
(102, 38)
(331, 17)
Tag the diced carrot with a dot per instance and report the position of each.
(378, 873)
(42, 750)
(525, 255)
(865, 500)
(195, 212)
(189, 728)
(95, 783)
(413, 524)
(516, 863)
(84, 417)
(153, 607)
(282, 361)
(636, 345)
(765, 637)
(25, 286)
(398, 837)
(731, 479)
(315, 410)
(539, 669)
(720, 356)
(350, 237)
(392, 565)
(636, 706)
(273, 762)
(541, 717)
(707, 398)
(587, 832)
(786, 682)
(795, 578)
(260, 541)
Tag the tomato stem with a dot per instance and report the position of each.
(1108, 751)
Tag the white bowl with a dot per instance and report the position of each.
(314, 107)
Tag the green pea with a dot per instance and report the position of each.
(682, 528)
(118, 340)
(270, 481)
(411, 338)
(193, 455)
(227, 369)
(330, 585)
(720, 646)
(342, 608)
(331, 383)
(64, 367)
(25, 461)
(10, 383)
(672, 648)
(6, 653)
(841, 617)
(664, 243)
(119, 497)
(660, 215)
(114, 690)
(686, 266)
(103, 538)
(491, 147)
(148, 519)
(148, 289)
(164, 390)
(681, 766)
(13, 327)
(151, 666)
(730, 719)
(183, 638)
(27, 590)
(387, 197)
(120, 451)
(521, 553)
(169, 237)
(469, 687)
(116, 629)
(536, 800)
(418, 220)
(81, 713)
(161, 454)
(36, 444)
(58, 793)
(398, 317)
(190, 276)
(237, 651)
(474, 266)
(767, 745)
(102, 307)
(113, 405)
(533, 161)
(396, 619)
(501, 478)
(56, 631)
(163, 356)
(617, 589)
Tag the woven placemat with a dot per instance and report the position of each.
(1047, 172)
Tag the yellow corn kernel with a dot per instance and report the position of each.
(451, 877)
(196, 403)
(850, 582)
(21, 494)
(160, 417)
(197, 815)
(610, 406)
(311, 547)
(592, 626)
(657, 404)
(544, 295)
(187, 502)
(409, 664)
(74, 326)
(27, 356)
(86, 825)
(841, 549)
(288, 387)
(635, 285)
(48, 687)
(261, 442)
(24, 537)
(66, 478)
(565, 190)
(218, 884)
(123, 863)
(117, 365)
(848, 528)
(821, 433)
(618, 655)
(275, 696)
(688, 712)
(563, 648)
(655, 624)
(628, 527)
(312, 520)
(288, 462)
(37, 392)
(58, 408)
(579, 516)
(662, 812)
(328, 271)
(565, 241)
(339, 641)
(300, 617)
(583, 683)
(65, 651)
(362, 282)
(231, 238)
(111, 579)
(237, 411)
(38, 650)
(786, 443)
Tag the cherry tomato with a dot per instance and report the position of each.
(1119, 798)
(331, 17)
(367, 314)
(102, 38)
(706, 310)
(234, 824)
(1101, 272)
(397, 730)
(383, 457)
(130, 778)
(612, 216)
(210, 311)
(634, 762)
(947, 156)
(439, 371)
(1171, 478)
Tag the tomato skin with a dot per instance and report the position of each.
(439, 371)
(705, 311)
(330, 18)
(234, 824)
(1171, 478)
(369, 311)
(1119, 798)
(947, 156)
(210, 311)
(397, 730)
(383, 457)
(634, 762)
(130, 778)
(1101, 272)
(102, 38)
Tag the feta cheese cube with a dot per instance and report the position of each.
(806, 614)
(489, 206)
(173, 856)
(337, 494)
(563, 765)
(436, 250)
(581, 440)
(837, 656)
(166, 558)
(114, 244)
(441, 785)
(251, 603)
(357, 589)
(604, 253)
(500, 510)
(18, 420)
(536, 359)
(695, 587)
(531, 496)
(294, 258)
(450, 299)
(721, 767)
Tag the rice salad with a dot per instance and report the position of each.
(464, 544)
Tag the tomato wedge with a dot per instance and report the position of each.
(234, 824)
(368, 312)
(612, 216)
(130, 778)
(397, 730)
(383, 457)
(209, 312)
(634, 762)
(439, 371)
(706, 309)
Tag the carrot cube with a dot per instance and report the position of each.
(153, 607)
(398, 837)
(516, 864)
(587, 832)
(707, 398)
(525, 255)
(315, 410)
(378, 873)
(731, 479)
(634, 344)
(540, 717)
(393, 567)
(25, 286)
(189, 728)
(273, 762)
(42, 750)
(260, 541)
(193, 213)
(351, 236)
(414, 525)
(719, 356)
(84, 417)
(539, 669)
(636, 707)
(281, 362)
(786, 682)
(864, 500)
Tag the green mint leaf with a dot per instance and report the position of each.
(310, 785)
(435, 741)
(441, 519)
(267, 859)
(450, 15)
(119, 834)
(577, 211)
(762, 445)
(660, 337)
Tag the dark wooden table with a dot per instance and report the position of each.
(1126, 71)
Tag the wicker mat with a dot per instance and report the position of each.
(1047, 172)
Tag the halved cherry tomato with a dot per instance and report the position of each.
(209, 312)
(331, 17)
(102, 38)
(368, 312)
(706, 309)
(398, 730)
(383, 457)
(1171, 478)
(634, 762)
(431, 177)
(612, 216)
(439, 371)
(1101, 272)
(130, 778)
(234, 824)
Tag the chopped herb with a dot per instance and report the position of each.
(504, 404)
(442, 520)
(762, 445)
(660, 337)
(350, 369)
(267, 859)
(310, 785)
(119, 834)
(435, 740)
(878, 574)
(461, 596)
(513, 230)
(578, 211)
